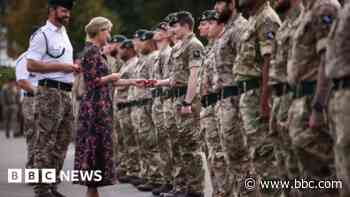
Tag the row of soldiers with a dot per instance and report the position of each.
(265, 98)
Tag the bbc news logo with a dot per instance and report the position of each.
(50, 176)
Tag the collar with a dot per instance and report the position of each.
(54, 28)
(131, 60)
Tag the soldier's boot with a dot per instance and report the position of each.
(195, 194)
(163, 189)
(148, 187)
(137, 181)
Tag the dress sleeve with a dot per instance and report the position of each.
(92, 58)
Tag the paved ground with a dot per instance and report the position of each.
(12, 155)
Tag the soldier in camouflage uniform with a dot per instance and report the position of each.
(216, 162)
(10, 100)
(141, 114)
(163, 38)
(337, 69)
(251, 74)
(185, 60)
(281, 96)
(129, 159)
(307, 127)
(226, 110)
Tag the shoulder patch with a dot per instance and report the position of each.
(270, 35)
(327, 19)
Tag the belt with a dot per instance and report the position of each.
(175, 92)
(280, 89)
(250, 84)
(158, 92)
(142, 102)
(305, 88)
(28, 94)
(56, 84)
(343, 83)
(121, 106)
(223, 93)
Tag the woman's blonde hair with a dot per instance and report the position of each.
(96, 25)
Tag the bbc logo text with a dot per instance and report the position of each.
(50, 176)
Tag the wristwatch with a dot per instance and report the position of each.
(186, 104)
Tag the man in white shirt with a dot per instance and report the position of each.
(50, 53)
(28, 82)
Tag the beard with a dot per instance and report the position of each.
(64, 20)
(225, 15)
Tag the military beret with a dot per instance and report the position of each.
(147, 35)
(139, 33)
(127, 44)
(117, 39)
(168, 18)
(161, 26)
(180, 16)
(209, 15)
(64, 3)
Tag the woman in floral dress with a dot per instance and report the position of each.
(94, 142)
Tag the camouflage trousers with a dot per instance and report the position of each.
(188, 173)
(10, 114)
(216, 158)
(164, 143)
(54, 125)
(259, 141)
(339, 120)
(233, 145)
(148, 143)
(313, 147)
(119, 146)
(286, 159)
(29, 128)
(171, 129)
(129, 161)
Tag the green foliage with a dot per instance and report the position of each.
(127, 15)
(6, 74)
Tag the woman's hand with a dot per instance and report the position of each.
(114, 77)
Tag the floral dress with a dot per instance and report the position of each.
(94, 142)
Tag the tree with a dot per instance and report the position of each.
(24, 15)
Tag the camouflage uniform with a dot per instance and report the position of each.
(128, 156)
(337, 68)
(158, 118)
(257, 42)
(313, 146)
(281, 97)
(50, 148)
(142, 121)
(188, 173)
(226, 110)
(208, 127)
(10, 100)
(29, 128)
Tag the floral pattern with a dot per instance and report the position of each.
(94, 142)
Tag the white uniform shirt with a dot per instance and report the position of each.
(57, 42)
(22, 72)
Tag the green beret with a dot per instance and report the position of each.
(127, 44)
(117, 39)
